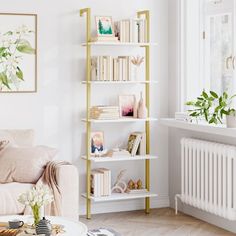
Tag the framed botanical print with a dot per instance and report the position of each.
(18, 53)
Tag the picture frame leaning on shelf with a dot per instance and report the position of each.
(104, 29)
(104, 26)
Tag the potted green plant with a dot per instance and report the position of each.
(231, 119)
(213, 107)
(224, 106)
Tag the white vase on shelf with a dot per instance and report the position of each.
(142, 109)
(136, 73)
(136, 65)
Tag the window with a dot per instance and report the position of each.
(218, 50)
(207, 55)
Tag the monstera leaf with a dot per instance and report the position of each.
(24, 46)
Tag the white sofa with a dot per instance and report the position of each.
(10, 192)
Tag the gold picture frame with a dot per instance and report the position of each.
(23, 77)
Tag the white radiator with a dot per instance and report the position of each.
(208, 177)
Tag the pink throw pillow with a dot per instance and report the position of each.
(24, 165)
(3, 144)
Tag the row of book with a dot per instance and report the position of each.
(137, 143)
(100, 182)
(104, 112)
(107, 68)
(131, 30)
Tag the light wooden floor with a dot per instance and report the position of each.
(158, 222)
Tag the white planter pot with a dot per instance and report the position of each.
(231, 121)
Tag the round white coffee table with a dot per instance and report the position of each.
(72, 228)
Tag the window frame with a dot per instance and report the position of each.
(182, 50)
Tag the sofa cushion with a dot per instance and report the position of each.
(5, 136)
(24, 165)
(9, 193)
(18, 137)
(3, 144)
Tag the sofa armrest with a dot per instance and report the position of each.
(68, 182)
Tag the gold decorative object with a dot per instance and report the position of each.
(28, 229)
(131, 184)
(135, 185)
(139, 184)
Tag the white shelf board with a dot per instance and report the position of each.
(121, 82)
(121, 196)
(120, 120)
(200, 127)
(120, 158)
(119, 44)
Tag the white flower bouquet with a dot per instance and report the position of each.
(38, 196)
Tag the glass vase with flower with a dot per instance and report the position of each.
(137, 62)
(36, 198)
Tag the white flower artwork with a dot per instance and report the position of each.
(18, 52)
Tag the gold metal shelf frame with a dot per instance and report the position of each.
(146, 15)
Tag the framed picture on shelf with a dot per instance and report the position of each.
(104, 26)
(97, 142)
(126, 105)
(134, 142)
(18, 53)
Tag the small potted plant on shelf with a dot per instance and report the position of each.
(213, 107)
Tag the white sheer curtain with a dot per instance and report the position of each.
(191, 49)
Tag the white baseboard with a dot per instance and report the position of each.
(119, 206)
(208, 217)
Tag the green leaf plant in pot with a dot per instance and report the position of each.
(226, 109)
(212, 107)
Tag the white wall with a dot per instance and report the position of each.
(176, 134)
(55, 111)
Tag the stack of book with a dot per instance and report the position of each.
(104, 112)
(107, 68)
(102, 68)
(100, 182)
(131, 30)
(137, 143)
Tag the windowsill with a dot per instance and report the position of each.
(200, 127)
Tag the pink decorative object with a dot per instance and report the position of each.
(142, 110)
(126, 104)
